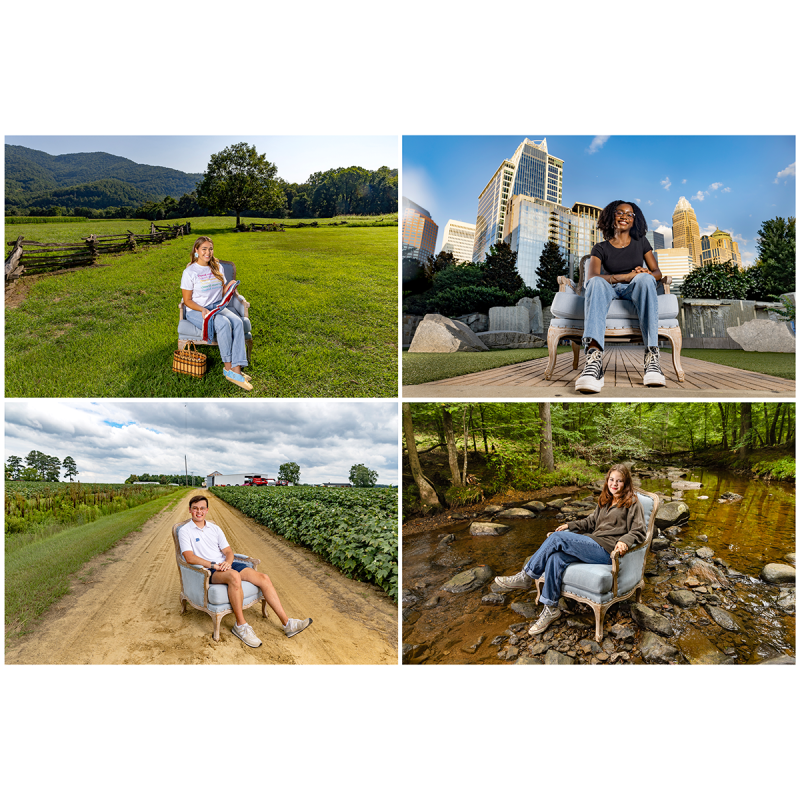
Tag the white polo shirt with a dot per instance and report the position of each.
(206, 542)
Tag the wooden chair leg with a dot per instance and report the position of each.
(183, 605)
(553, 335)
(599, 616)
(217, 620)
(263, 606)
(677, 343)
(576, 352)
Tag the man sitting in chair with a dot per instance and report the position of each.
(203, 543)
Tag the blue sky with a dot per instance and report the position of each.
(732, 182)
(296, 157)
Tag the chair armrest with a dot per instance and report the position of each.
(240, 305)
(565, 283)
(240, 557)
(181, 311)
(614, 573)
(194, 578)
(666, 282)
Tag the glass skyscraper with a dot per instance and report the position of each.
(531, 172)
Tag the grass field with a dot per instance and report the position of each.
(38, 573)
(323, 311)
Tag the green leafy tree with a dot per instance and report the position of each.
(361, 476)
(776, 252)
(14, 467)
(131, 479)
(500, 269)
(70, 467)
(289, 472)
(37, 460)
(239, 178)
(716, 281)
(30, 474)
(552, 264)
(52, 468)
(436, 264)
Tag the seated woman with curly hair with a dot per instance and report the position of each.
(631, 273)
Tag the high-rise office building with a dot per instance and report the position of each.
(459, 239)
(531, 172)
(676, 262)
(419, 232)
(530, 222)
(719, 248)
(656, 239)
(685, 231)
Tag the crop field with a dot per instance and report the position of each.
(353, 529)
(38, 508)
(323, 312)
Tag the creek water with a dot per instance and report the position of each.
(441, 627)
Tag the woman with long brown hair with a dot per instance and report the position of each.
(616, 524)
(202, 286)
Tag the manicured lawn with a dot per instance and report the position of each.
(424, 367)
(781, 365)
(323, 310)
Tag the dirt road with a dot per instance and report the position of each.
(124, 607)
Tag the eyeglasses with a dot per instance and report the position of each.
(628, 214)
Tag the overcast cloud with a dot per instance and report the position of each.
(111, 440)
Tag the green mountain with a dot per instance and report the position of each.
(96, 180)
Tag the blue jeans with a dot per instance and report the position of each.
(641, 291)
(559, 550)
(229, 332)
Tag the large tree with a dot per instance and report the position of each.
(362, 476)
(238, 178)
(290, 471)
(70, 467)
(14, 467)
(776, 254)
(500, 269)
(427, 493)
(551, 264)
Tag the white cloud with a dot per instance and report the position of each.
(684, 180)
(666, 182)
(667, 231)
(727, 189)
(708, 230)
(649, 202)
(789, 172)
(700, 196)
(637, 200)
(715, 186)
(596, 144)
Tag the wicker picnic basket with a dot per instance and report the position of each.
(189, 362)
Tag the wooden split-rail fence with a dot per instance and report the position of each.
(33, 257)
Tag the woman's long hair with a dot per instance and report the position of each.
(606, 220)
(627, 497)
(213, 264)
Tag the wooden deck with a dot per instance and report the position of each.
(623, 379)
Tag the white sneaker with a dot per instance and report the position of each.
(591, 379)
(653, 376)
(246, 634)
(295, 626)
(518, 581)
(550, 614)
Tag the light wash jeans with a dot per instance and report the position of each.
(229, 333)
(641, 291)
(559, 550)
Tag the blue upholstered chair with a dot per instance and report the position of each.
(602, 585)
(622, 320)
(190, 333)
(198, 591)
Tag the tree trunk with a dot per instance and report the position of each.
(483, 430)
(452, 450)
(745, 426)
(723, 414)
(771, 439)
(466, 446)
(546, 461)
(426, 491)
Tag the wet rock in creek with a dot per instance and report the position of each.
(789, 660)
(624, 633)
(446, 539)
(697, 649)
(702, 537)
(415, 653)
(536, 505)
(659, 544)
(473, 647)
(493, 599)
(527, 610)
(655, 650)
(488, 528)
(493, 509)
(675, 513)
(409, 599)
(517, 512)
(468, 580)
(791, 558)
(554, 657)
(673, 532)
(448, 559)
(557, 504)
(651, 620)
(682, 598)
(705, 552)
(778, 573)
(704, 571)
(786, 599)
(729, 497)
(722, 618)
(685, 486)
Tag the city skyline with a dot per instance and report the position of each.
(734, 183)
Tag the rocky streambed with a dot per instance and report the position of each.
(720, 581)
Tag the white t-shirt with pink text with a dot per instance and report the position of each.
(206, 289)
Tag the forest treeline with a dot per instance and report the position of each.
(100, 185)
(458, 453)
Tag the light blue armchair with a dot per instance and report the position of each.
(200, 593)
(191, 333)
(602, 585)
(622, 320)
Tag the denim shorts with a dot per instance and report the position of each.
(237, 565)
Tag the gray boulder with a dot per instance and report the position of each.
(650, 620)
(468, 580)
(682, 597)
(534, 307)
(536, 505)
(554, 657)
(527, 610)
(778, 573)
(440, 334)
(674, 513)
(516, 512)
(685, 486)
(763, 336)
(655, 650)
(705, 552)
(487, 528)
(509, 318)
(511, 340)
(697, 649)
(786, 599)
(493, 509)
(722, 618)
(475, 322)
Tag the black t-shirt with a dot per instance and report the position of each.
(619, 260)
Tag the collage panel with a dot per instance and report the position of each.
(599, 533)
(214, 532)
(623, 266)
(201, 266)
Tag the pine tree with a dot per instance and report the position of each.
(500, 269)
(551, 265)
(776, 252)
